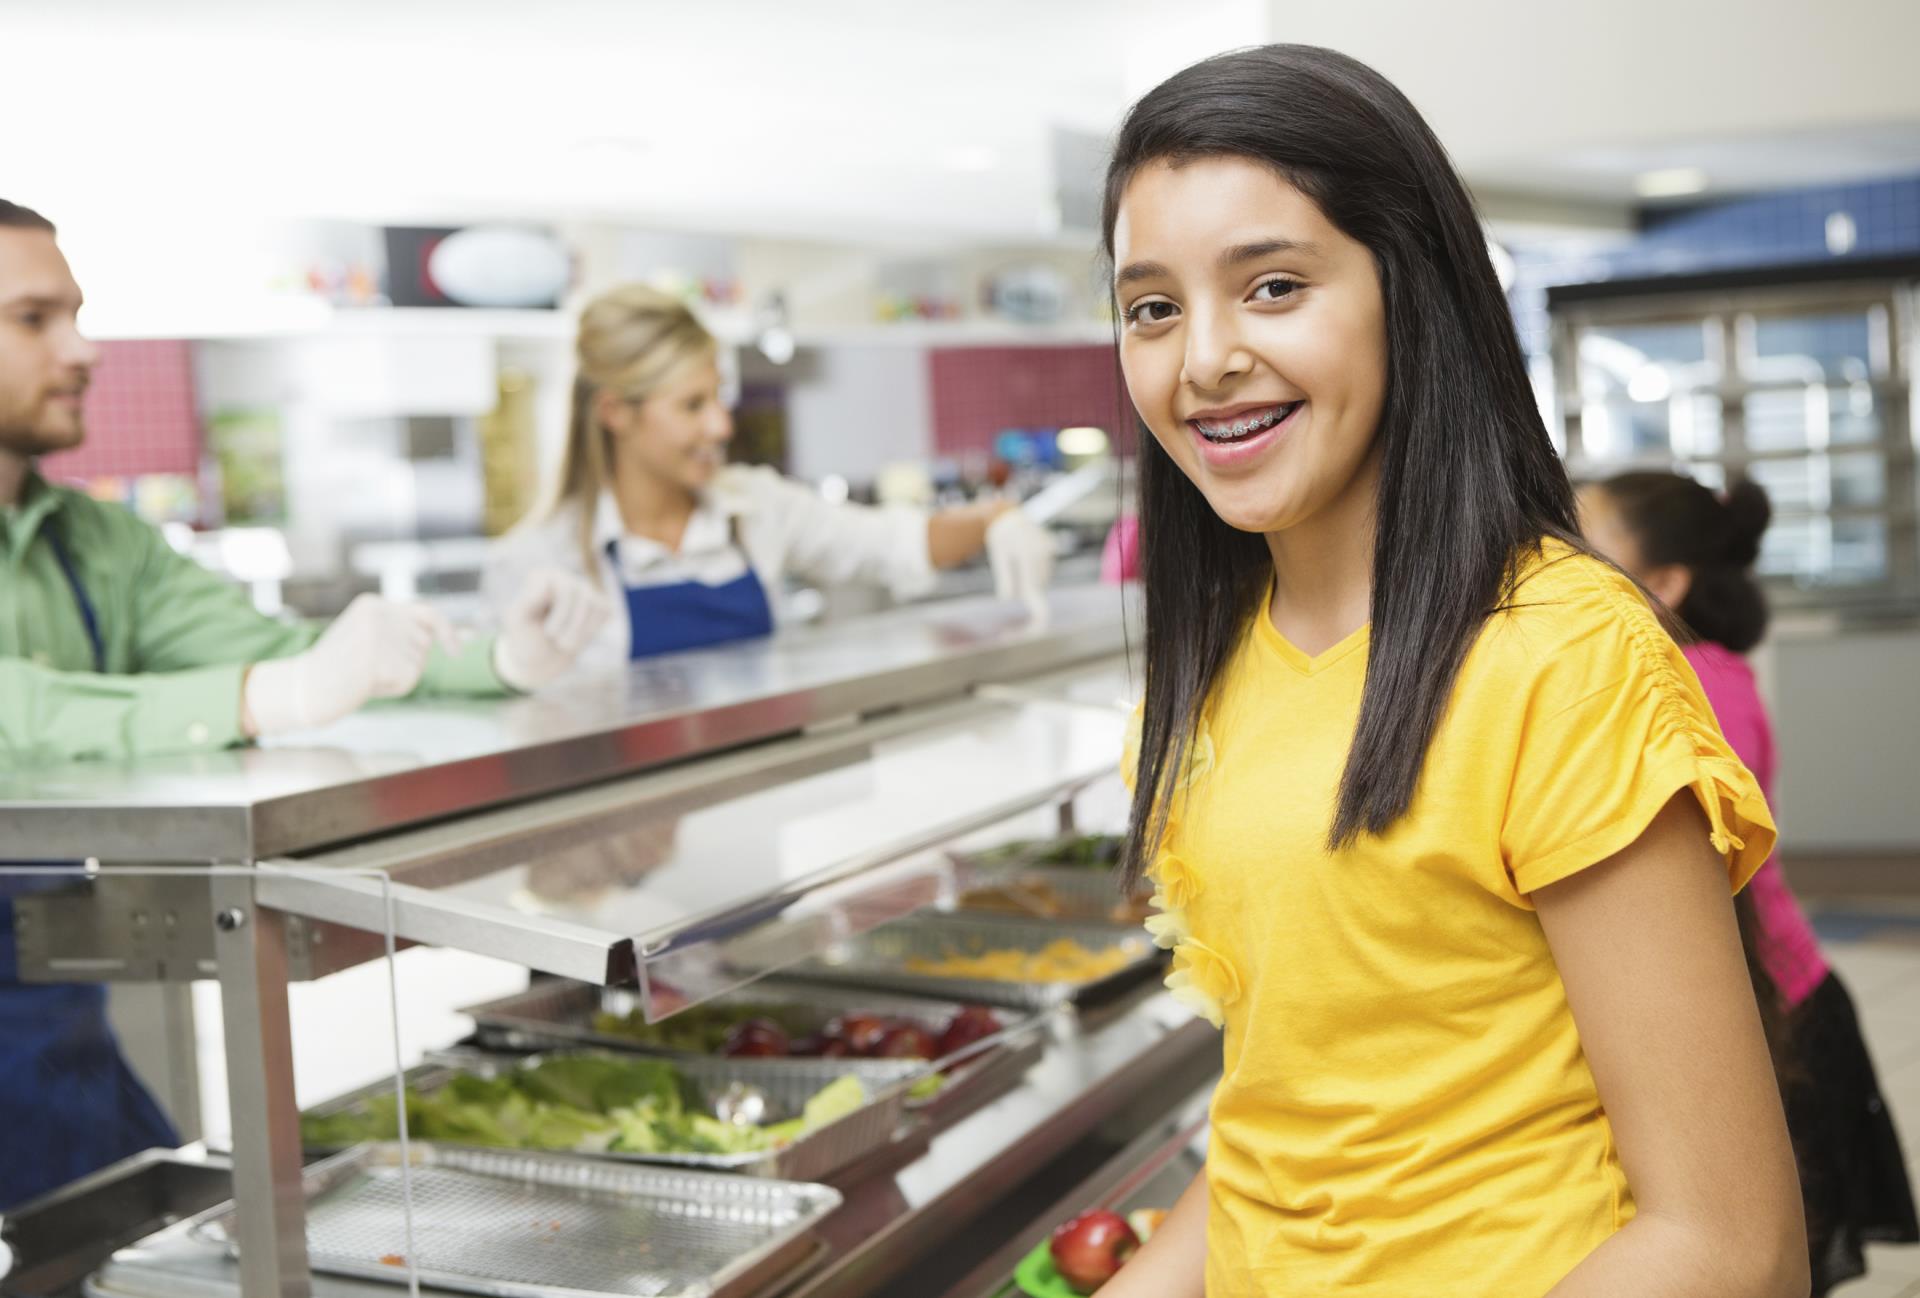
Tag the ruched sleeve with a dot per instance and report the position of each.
(1614, 725)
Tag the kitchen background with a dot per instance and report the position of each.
(333, 252)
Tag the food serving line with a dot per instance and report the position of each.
(768, 826)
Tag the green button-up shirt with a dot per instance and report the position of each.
(177, 639)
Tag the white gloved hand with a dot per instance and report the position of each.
(373, 650)
(1020, 556)
(552, 619)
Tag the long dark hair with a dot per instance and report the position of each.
(1469, 479)
(1677, 520)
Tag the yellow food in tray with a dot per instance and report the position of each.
(1061, 961)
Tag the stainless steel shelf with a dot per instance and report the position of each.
(403, 765)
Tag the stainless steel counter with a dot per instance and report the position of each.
(406, 764)
(805, 781)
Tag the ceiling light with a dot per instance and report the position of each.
(1670, 182)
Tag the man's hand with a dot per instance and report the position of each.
(373, 650)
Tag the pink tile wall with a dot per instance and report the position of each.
(981, 391)
(141, 415)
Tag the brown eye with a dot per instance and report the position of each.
(1275, 290)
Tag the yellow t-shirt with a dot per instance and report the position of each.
(1405, 1108)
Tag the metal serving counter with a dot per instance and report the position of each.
(701, 821)
(406, 764)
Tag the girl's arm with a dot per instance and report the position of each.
(1651, 959)
(1173, 1264)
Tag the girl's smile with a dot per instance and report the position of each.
(1237, 437)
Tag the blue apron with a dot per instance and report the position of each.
(69, 1105)
(692, 614)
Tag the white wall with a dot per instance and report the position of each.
(1512, 81)
(858, 410)
(1846, 711)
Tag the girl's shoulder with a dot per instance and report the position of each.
(1575, 617)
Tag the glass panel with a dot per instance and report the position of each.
(1794, 549)
(718, 895)
(1789, 419)
(1833, 348)
(1853, 415)
(1640, 397)
(1859, 551)
(1797, 485)
(1823, 552)
(1821, 482)
(1857, 480)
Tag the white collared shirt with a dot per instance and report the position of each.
(750, 517)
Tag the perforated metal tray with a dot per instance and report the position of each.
(878, 958)
(561, 1013)
(530, 1225)
(787, 1084)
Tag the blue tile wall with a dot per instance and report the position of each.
(1767, 230)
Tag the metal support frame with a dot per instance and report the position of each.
(250, 944)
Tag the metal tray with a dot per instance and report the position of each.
(877, 959)
(560, 1013)
(1033, 857)
(788, 1083)
(537, 1225)
(1085, 894)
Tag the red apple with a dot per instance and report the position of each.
(1089, 1250)
(755, 1038)
(968, 1026)
(906, 1041)
(861, 1032)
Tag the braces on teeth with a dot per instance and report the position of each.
(1241, 429)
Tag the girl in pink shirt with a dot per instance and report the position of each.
(1695, 551)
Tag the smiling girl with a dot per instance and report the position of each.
(1443, 830)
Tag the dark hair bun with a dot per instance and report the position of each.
(1748, 513)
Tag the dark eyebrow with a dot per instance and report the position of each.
(1245, 252)
(1139, 270)
(1234, 256)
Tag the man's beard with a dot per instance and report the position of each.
(37, 439)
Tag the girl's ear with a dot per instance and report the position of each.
(1670, 582)
(613, 412)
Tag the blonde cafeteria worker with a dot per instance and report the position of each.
(113, 646)
(692, 550)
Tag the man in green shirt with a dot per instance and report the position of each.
(112, 645)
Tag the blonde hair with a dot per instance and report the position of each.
(631, 340)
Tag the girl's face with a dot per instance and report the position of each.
(1253, 339)
(1608, 532)
(679, 433)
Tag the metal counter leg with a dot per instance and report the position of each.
(250, 945)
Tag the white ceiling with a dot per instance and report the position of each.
(875, 119)
(800, 119)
